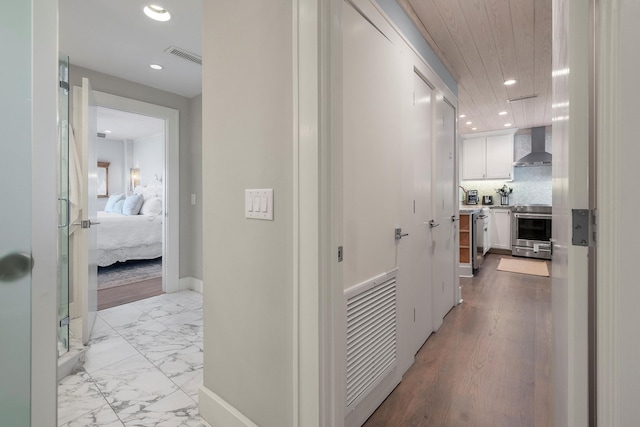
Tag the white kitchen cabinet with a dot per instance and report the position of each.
(474, 154)
(488, 156)
(500, 157)
(501, 228)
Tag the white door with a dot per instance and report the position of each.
(415, 249)
(84, 236)
(15, 216)
(569, 289)
(444, 236)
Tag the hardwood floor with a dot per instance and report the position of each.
(489, 364)
(119, 295)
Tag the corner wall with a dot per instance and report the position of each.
(248, 127)
(195, 168)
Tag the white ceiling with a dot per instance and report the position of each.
(485, 42)
(124, 125)
(115, 37)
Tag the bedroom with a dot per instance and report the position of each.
(130, 203)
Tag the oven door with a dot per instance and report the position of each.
(531, 230)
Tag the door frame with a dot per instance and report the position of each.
(171, 227)
(44, 240)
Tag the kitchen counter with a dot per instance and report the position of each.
(500, 206)
(470, 209)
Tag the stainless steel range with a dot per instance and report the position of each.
(531, 231)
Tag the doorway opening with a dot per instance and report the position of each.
(131, 173)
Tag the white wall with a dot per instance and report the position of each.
(112, 152)
(148, 155)
(248, 264)
(626, 292)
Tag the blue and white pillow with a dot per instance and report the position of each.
(113, 199)
(132, 205)
(117, 208)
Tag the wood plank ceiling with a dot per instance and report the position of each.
(485, 42)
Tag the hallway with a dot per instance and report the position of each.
(490, 363)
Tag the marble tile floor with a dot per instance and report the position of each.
(143, 367)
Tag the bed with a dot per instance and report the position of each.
(135, 234)
(123, 238)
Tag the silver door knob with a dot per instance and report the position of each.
(15, 266)
(432, 224)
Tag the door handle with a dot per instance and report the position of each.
(399, 235)
(432, 224)
(86, 223)
(15, 266)
(68, 212)
(454, 219)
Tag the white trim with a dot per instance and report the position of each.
(332, 308)
(171, 231)
(214, 407)
(307, 367)
(44, 357)
(295, 218)
(191, 283)
(609, 185)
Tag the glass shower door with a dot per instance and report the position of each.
(15, 215)
(63, 206)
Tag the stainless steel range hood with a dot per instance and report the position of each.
(538, 156)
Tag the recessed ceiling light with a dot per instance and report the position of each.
(156, 66)
(469, 123)
(474, 128)
(462, 116)
(509, 82)
(107, 131)
(157, 13)
(502, 113)
(507, 125)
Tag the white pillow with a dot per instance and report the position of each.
(111, 203)
(151, 206)
(146, 192)
(132, 205)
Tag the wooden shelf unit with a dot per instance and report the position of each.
(465, 239)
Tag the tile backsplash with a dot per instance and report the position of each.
(531, 184)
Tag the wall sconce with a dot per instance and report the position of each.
(134, 177)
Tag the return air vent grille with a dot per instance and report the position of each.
(371, 335)
(184, 54)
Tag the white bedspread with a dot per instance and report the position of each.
(122, 237)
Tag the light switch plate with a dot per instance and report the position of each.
(258, 204)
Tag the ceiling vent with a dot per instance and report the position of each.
(522, 98)
(184, 54)
(102, 135)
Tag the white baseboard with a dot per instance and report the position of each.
(218, 412)
(191, 283)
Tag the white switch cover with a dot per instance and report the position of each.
(258, 204)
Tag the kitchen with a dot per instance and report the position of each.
(517, 222)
